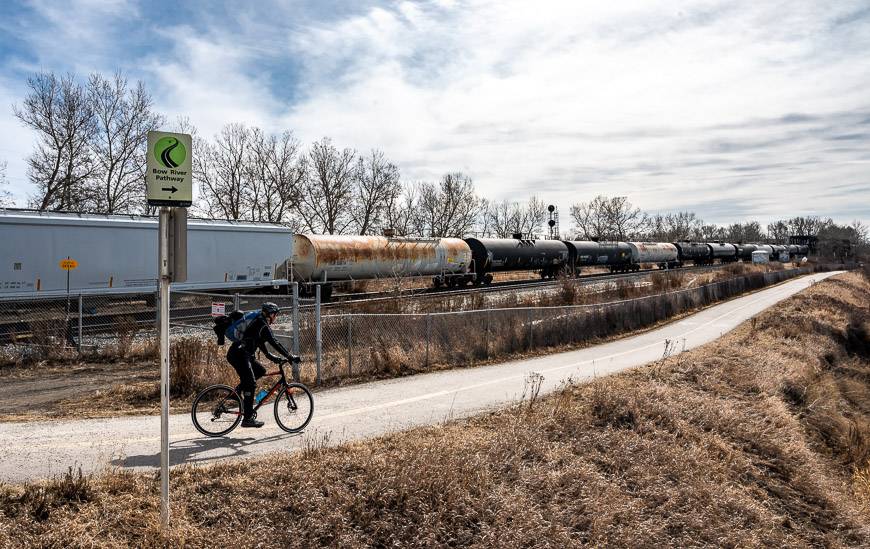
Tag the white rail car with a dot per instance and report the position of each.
(117, 254)
(663, 254)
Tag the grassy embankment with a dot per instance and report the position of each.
(761, 438)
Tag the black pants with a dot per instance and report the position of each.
(247, 367)
(249, 371)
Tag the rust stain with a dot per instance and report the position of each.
(330, 250)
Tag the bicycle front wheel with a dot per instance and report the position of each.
(216, 410)
(294, 407)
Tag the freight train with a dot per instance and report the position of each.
(118, 254)
(321, 259)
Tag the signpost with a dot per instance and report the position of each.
(68, 265)
(169, 184)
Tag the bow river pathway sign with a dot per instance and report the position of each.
(169, 178)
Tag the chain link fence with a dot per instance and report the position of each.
(350, 345)
(340, 344)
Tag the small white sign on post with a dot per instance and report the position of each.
(218, 309)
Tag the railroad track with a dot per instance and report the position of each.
(510, 285)
(58, 323)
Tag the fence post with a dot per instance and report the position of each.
(428, 336)
(530, 327)
(349, 345)
(486, 339)
(157, 312)
(236, 302)
(295, 333)
(81, 308)
(317, 341)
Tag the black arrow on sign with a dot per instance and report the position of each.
(171, 189)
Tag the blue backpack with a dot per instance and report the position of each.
(233, 326)
(237, 329)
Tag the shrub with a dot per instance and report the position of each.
(197, 364)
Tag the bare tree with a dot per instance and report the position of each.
(502, 219)
(609, 219)
(778, 232)
(449, 208)
(532, 216)
(376, 186)
(328, 191)
(862, 231)
(808, 226)
(59, 111)
(591, 218)
(276, 174)
(124, 116)
(749, 231)
(673, 227)
(221, 172)
(401, 212)
(5, 196)
(709, 232)
(627, 222)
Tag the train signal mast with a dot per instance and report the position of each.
(553, 223)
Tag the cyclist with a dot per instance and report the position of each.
(241, 356)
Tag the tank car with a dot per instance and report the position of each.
(325, 258)
(617, 256)
(515, 254)
(780, 253)
(764, 247)
(587, 253)
(582, 253)
(723, 251)
(662, 254)
(744, 251)
(697, 252)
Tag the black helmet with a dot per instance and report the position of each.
(270, 308)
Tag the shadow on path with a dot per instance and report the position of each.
(201, 450)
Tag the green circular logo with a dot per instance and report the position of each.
(169, 152)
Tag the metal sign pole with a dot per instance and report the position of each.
(168, 184)
(164, 367)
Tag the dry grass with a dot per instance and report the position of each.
(386, 346)
(757, 440)
(196, 364)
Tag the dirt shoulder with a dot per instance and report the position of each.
(759, 439)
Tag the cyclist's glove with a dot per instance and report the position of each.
(294, 359)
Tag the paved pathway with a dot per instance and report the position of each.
(38, 449)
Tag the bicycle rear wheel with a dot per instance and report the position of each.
(216, 410)
(294, 407)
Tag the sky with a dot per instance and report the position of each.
(735, 109)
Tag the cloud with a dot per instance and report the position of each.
(715, 103)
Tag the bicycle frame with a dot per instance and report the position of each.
(280, 383)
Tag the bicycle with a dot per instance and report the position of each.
(217, 409)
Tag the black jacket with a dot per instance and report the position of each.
(256, 336)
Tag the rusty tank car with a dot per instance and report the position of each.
(663, 254)
(327, 258)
